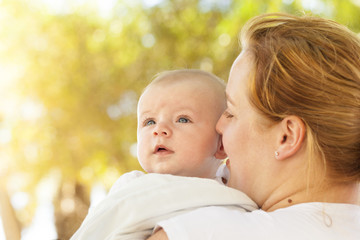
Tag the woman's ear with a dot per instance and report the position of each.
(291, 138)
(220, 152)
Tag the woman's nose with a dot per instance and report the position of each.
(219, 125)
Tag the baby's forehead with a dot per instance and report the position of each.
(191, 89)
(196, 87)
(189, 80)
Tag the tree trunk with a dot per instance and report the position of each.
(71, 207)
(7, 213)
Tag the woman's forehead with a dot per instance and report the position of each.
(239, 77)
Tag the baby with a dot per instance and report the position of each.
(177, 114)
(181, 152)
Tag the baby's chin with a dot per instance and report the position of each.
(182, 172)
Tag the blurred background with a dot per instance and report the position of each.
(71, 72)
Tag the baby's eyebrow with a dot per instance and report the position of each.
(141, 113)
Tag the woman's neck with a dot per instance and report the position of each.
(335, 193)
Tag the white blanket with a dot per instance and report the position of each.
(137, 201)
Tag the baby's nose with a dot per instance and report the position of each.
(162, 130)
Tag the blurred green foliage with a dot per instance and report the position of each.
(70, 79)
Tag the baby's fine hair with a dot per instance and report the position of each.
(183, 74)
(310, 67)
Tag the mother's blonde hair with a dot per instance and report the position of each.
(310, 67)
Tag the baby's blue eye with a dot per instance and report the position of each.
(149, 122)
(183, 120)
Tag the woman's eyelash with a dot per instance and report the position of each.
(227, 114)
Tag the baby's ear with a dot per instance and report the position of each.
(220, 153)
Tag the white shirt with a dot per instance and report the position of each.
(318, 221)
(137, 201)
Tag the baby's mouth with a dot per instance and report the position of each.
(162, 149)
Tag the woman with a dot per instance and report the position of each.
(292, 134)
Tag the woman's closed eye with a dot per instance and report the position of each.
(227, 114)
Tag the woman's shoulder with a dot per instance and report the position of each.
(334, 220)
(302, 221)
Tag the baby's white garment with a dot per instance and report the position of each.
(137, 201)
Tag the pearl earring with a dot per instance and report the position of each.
(276, 154)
